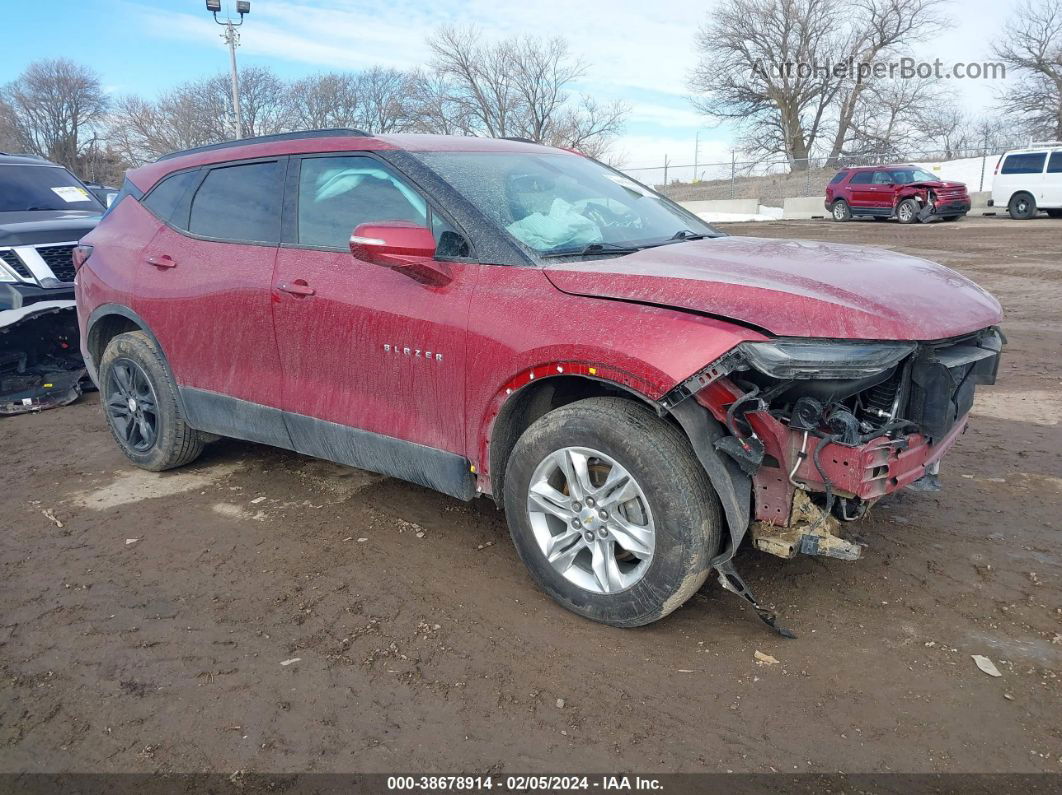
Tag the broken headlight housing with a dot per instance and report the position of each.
(803, 359)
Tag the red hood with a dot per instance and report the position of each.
(939, 183)
(793, 288)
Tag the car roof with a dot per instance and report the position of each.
(884, 165)
(310, 141)
(25, 160)
(1047, 146)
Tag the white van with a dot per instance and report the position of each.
(1029, 180)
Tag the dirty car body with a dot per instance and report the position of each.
(488, 317)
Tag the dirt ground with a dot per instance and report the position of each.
(263, 611)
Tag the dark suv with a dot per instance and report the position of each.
(495, 317)
(907, 193)
(44, 211)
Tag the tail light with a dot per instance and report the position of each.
(80, 254)
(997, 164)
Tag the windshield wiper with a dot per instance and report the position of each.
(593, 248)
(686, 234)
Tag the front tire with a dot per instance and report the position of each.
(1022, 206)
(907, 211)
(140, 403)
(611, 512)
(841, 211)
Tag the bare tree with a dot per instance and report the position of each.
(324, 101)
(1031, 45)
(385, 100)
(54, 109)
(877, 28)
(893, 117)
(436, 108)
(945, 126)
(198, 113)
(757, 67)
(263, 99)
(789, 70)
(519, 87)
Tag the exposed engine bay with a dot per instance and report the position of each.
(40, 363)
(825, 429)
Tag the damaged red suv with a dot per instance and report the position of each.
(491, 317)
(907, 193)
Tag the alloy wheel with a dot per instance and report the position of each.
(905, 213)
(591, 520)
(131, 405)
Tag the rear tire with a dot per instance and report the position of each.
(653, 543)
(140, 403)
(907, 211)
(1022, 206)
(840, 211)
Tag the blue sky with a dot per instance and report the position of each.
(638, 52)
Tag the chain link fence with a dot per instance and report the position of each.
(772, 180)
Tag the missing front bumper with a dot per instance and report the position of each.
(811, 531)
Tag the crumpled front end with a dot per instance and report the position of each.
(40, 363)
(825, 429)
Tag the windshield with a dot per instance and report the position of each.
(558, 204)
(24, 187)
(905, 176)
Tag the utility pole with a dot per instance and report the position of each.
(232, 39)
(696, 155)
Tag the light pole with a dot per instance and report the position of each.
(232, 38)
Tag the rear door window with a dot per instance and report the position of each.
(1054, 165)
(240, 203)
(861, 178)
(1030, 163)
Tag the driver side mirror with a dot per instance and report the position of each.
(402, 246)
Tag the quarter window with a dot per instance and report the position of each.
(337, 194)
(240, 203)
(838, 177)
(165, 198)
(1032, 163)
(1054, 165)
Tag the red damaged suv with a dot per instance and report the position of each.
(906, 193)
(495, 317)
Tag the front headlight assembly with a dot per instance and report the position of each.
(802, 359)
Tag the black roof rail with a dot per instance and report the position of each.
(338, 132)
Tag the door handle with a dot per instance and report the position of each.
(161, 261)
(297, 287)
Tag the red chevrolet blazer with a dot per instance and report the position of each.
(492, 317)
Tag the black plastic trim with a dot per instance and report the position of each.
(733, 486)
(266, 139)
(436, 469)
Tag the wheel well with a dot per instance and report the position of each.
(104, 330)
(531, 403)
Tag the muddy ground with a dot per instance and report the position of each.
(150, 631)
